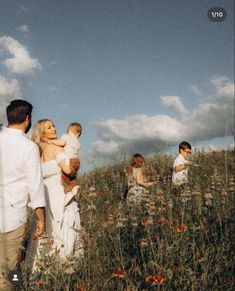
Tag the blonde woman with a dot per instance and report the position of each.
(62, 220)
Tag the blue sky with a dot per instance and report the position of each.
(134, 73)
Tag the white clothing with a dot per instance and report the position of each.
(72, 146)
(179, 178)
(20, 178)
(62, 223)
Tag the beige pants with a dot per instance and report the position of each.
(10, 248)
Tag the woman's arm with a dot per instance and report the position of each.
(69, 171)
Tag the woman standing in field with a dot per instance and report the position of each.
(136, 179)
(62, 220)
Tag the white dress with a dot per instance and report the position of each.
(62, 222)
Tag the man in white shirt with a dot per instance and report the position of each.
(181, 164)
(20, 182)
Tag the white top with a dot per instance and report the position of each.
(20, 178)
(72, 146)
(51, 167)
(178, 178)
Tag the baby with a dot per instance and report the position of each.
(71, 148)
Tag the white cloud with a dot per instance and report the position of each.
(137, 127)
(211, 120)
(9, 90)
(207, 121)
(23, 28)
(20, 63)
(110, 147)
(175, 103)
(218, 82)
(196, 90)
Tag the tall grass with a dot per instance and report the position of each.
(175, 240)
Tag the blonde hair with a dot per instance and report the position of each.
(37, 135)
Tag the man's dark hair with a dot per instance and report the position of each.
(18, 110)
(184, 145)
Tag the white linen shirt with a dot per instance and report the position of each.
(180, 177)
(72, 146)
(20, 178)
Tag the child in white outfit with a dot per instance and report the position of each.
(71, 148)
(181, 164)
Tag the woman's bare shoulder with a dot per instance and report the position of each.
(56, 149)
(50, 149)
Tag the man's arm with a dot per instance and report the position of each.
(40, 228)
(35, 187)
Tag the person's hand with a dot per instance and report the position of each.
(40, 228)
(189, 164)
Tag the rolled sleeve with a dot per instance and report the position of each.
(34, 179)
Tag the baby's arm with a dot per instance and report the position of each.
(58, 142)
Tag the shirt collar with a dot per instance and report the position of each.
(13, 130)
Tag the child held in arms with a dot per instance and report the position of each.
(71, 148)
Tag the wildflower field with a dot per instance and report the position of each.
(175, 240)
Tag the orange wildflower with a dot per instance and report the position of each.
(150, 280)
(181, 228)
(40, 283)
(144, 221)
(138, 270)
(118, 274)
(160, 279)
(154, 280)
